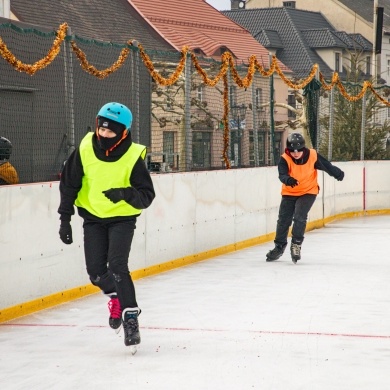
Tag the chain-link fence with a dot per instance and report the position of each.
(47, 114)
(353, 129)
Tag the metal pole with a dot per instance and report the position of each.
(232, 102)
(272, 120)
(317, 99)
(331, 124)
(374, 55)
(363, 128)
(136, 131)
(187, 114)
(69, 95)
(255, 131)
(238, 142)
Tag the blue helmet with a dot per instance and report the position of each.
(117, 112)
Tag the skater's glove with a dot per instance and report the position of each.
(66, 232)
(291, 182)
(340, 177)
(118, 194)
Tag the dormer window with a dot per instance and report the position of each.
(198, 51)
(223, 49)
(289, 4)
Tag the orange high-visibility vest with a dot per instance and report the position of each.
(306, 175)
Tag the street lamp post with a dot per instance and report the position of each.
(238, 113)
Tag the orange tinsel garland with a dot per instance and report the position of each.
(42, 63)
(101, 74)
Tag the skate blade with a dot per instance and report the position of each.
(118, 329)
(133, 349)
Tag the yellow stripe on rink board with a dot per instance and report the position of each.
(46, 302)
(30, 307)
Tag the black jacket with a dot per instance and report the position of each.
(322, 164)
(73, 172)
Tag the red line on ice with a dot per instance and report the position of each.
(292, 333)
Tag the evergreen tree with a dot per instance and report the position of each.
(347, 123)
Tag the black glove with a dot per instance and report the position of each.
(291, 182)
(340, 177)
(66, 232)
(116, 194)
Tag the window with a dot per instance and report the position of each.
(169, 147)
(368, 65)
(169, 101)
(388, 108)
(388, 67)
(258, 149)
(199, 93)
(277, 147)
(291, 102)
(201, 149)
(289, 4)
(259, 98)
(337, 62)
(233, 95)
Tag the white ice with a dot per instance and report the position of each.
(231, 322)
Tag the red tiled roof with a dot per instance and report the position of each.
(90, 19)
(197, 24)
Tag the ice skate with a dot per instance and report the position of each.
(131, 328)
(275, 253)
(295, 250)
(115, 319)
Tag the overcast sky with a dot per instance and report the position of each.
(221, 5)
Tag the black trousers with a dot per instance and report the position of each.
(293, 208)
(107, 248)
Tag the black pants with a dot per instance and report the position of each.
(293, 208)
(107, 248)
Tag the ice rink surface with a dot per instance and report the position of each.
(231, 322)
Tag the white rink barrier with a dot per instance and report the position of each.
(194, 216)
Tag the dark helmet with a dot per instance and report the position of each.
(295, 142)
(5, 149)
